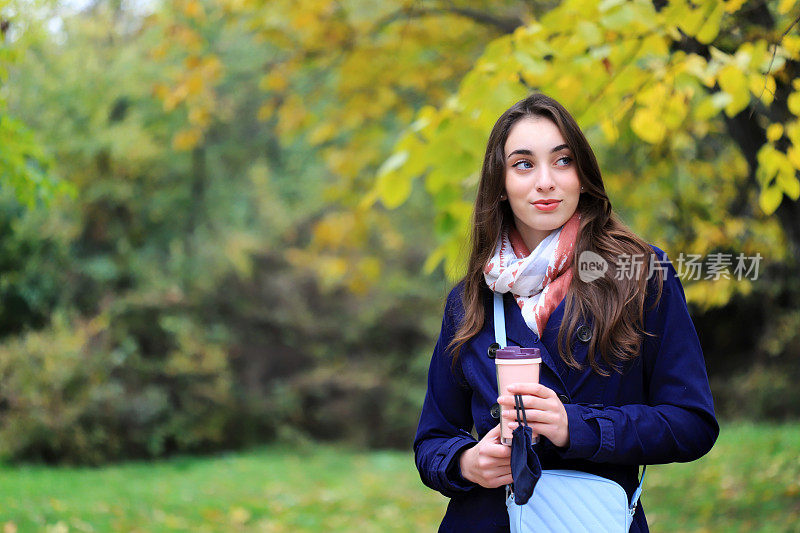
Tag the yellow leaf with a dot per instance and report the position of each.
(734, 83)
(793, 102)
(266, 111)
(193, 9)
(323, 133)
(768, 164)
(774, 132)
(675, 111)
(160, 51)
(194, 84)
(770, 199)
(654, 95)
(394, 162)
(589, 32)
(709, 106)
(609, 130)
(160, 91)
(710, 28)
(732, 6)
(275, 80)
(211, 68)
(763, 86)
(647, 126)
(784, 6)
(787, 179)
(394, 187)
(791, 43)
(690, 20)
(793, 154)
(199, 116)
(433, 260)
(793, 132)
(186, 139)
(698, 67)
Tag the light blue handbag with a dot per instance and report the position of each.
(567, 501)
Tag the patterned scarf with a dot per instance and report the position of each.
(538, 280)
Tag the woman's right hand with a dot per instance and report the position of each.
(488, 463)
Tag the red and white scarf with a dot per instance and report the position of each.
(538, 280)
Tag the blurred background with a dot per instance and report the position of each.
(229, 228)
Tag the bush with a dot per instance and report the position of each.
(762, 393)
(90, 391)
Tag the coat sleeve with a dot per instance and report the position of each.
(676, 422)
(446, 421)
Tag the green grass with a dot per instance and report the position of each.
(749, 482)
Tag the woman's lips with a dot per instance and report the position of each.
(548, 206)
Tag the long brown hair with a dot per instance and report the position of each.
(617, 305)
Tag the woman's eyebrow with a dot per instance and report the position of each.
(525, 151)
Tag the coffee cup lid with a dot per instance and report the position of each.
(509, 352)
(515, 352)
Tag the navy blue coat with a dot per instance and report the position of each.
(659, 411)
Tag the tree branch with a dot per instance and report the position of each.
(504, 24)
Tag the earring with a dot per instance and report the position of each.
(502, 196)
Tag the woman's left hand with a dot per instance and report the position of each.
(545, 412)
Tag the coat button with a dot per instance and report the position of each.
(493, 349)
(495, 411)
(584, 333)
(564, 398)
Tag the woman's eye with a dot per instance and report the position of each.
(568, 158)
(523, 162)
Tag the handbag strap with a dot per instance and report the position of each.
(500, 338)
(499, 320)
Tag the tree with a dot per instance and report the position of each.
(343, 78)
(24, 166)
(692, 109)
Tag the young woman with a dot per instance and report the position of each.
(623, 381)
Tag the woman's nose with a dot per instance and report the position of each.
(544, 181)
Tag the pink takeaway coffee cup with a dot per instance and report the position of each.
(515, 365)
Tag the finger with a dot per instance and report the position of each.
(527, 400)
(531, 415)
(502, 480)
(497, 466)
(534, 402)
(499, 471)
(498, 450)
(535, 417)
(534, 389)
(536, 429)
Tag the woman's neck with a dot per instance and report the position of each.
(524, 243)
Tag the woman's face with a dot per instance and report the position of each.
(539, 166)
